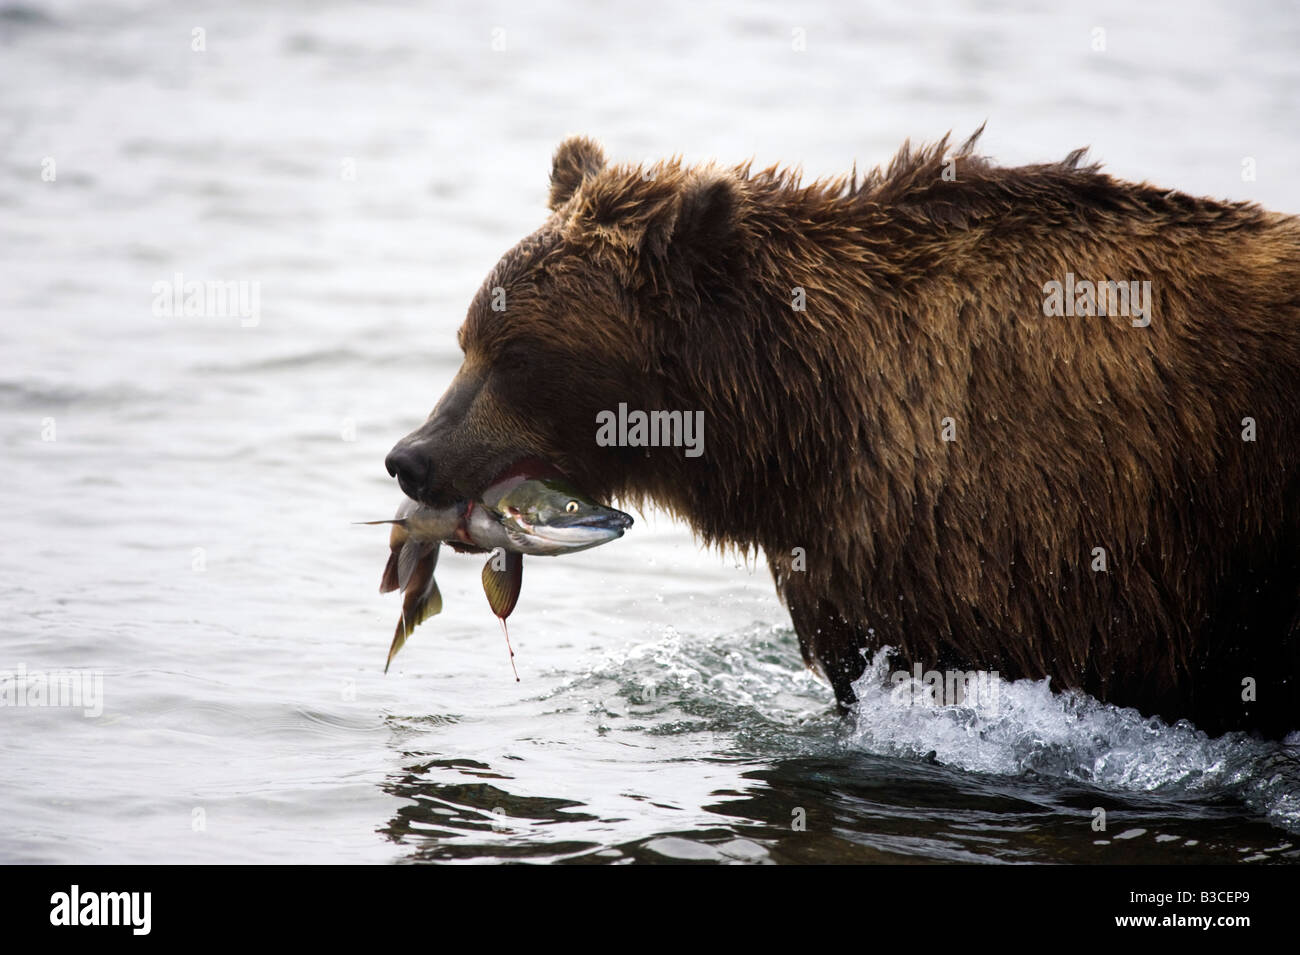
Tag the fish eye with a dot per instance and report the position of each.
(571, 507)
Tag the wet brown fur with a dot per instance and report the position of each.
(671, 288)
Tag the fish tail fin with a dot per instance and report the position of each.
(421, 600)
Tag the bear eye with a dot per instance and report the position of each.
(571, 507)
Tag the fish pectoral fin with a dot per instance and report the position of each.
(421, 600)
(502, 586)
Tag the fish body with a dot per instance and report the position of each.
(514, 517)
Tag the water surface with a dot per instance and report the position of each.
(178, 492)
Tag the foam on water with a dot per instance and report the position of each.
(1032, 730)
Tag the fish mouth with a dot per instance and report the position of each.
(566, 539)
(576, 530)
(605, 524)
(607, 519)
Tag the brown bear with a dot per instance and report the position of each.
(1034, 420)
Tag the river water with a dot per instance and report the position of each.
(179, 492)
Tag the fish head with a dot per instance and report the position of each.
(548, 515)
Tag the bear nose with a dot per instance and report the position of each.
(411, 466)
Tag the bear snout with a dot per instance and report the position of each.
(412, 465)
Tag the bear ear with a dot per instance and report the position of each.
(704, 217)
(577, 158)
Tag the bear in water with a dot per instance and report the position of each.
(1034, 420)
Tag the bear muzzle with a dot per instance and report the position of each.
(412, 464)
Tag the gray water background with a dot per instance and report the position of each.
(186, 533)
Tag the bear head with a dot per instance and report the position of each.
(618, 299)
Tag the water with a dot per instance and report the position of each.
(186, 534)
